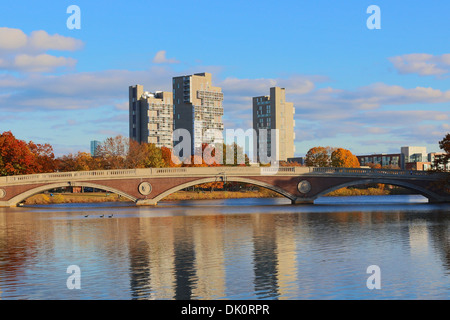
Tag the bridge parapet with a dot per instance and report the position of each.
(379, 172)
(212, 171)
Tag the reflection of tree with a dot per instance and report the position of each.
(17, 245)
(265, 258)
(184, 262)
(139, 269)
(440, 233)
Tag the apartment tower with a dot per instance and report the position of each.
(151, 116)
(273, 112)
(197, 107)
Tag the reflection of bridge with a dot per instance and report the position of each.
(148, 186)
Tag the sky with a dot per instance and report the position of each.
(366, 90)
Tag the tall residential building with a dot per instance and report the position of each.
(273, 112)
(197, 107)
(151, 116)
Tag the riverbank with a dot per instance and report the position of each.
(93, 197)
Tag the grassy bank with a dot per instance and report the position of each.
(178, 196)
(46, 198)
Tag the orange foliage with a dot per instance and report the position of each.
(343, 158)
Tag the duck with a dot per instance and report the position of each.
(110, 216)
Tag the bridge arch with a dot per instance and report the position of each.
(424, 192)
(21, 197)
(228, 179)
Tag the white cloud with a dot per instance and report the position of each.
(39, 63)
(42, 41)
(20, 52)
(12, 39)
(39, 41)
(422, 64)
(160, 57)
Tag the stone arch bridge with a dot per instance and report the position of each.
(148, 186)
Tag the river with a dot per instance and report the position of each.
(228, 249)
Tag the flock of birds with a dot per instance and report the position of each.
(102, 216)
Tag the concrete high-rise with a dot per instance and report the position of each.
(273, 112)
(151, 116)
(197, 107)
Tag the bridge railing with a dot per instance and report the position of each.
(67, 175)
(363, 171)
(207, 171)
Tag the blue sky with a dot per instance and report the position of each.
(365, 90)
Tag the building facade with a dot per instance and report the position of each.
(198, 108)
(383, 159)
(151, 116)
(273, 112)
(414, 154)
(94, 147)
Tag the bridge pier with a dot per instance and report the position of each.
(302, 201)
(146, 202)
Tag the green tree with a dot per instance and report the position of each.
(153, 157)
(239, 156)
(441, 162)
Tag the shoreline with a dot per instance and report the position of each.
(59, 198)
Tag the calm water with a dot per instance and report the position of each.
(228, 249)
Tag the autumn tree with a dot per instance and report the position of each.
(318, 157)
(82, 161)
(15, 156)
(372, 165)
(343, 158)
(167, 157)
(114, 151)
(44, 158)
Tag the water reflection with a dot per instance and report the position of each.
(239, 249)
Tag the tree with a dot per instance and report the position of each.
(114, 151)
(343, 158)
(318, 157)
(44, 157)
(16, 157)
(441, 162)
(152, 156)
(372, 165)
(239, 156)
(82, 161)
(167, 157)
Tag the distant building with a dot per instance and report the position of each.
(411, 156)
(383, 159)
(299, 160)
(150, 116)
(432, 157)
(414, 154)
(94, 147)
(198, 107)
(420, 166)
(273, 112)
